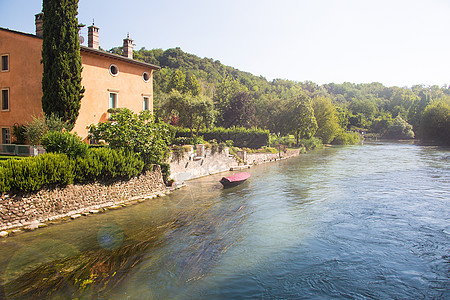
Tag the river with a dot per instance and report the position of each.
(357, 222)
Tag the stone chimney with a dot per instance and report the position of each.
(38, 23)
(128, 47)
(93, 37)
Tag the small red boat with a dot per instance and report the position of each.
(234, 179)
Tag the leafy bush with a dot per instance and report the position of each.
(435, 123)
(188, 140)
(165, 171)
(214, 147)
(288, 140)
(177, 153)
(399, 129)
(40, 126)
(20, 133)
(64, 142)
(344, 138)
(242, 137)
(311, 143)
(140, 134)
(229, 143)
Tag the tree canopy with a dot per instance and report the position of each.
(241, 98)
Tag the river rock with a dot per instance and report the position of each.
(3, 234)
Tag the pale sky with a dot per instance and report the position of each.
(395, 42)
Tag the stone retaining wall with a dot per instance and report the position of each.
(192, 166)
(46, 205)
(259, 158)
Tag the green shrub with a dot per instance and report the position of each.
(221, 147)
(311, 143)
(106, 163)
(165, 171)
(20, 133)
(344, 138)
(214, 147)
(34, 173)
(288, 140)
(188, 140)
(242, 137)
(64, 142)
(177, 153)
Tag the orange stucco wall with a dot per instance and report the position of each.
(98, 83)
(23, 78)
(25, 74)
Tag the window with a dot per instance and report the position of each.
(113, 70)
(5, 99)
(5, 62)
(112, 100)
(6, 136)
(145, 103)
(146, 76)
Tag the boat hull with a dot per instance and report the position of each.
(234, 179)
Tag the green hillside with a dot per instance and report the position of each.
(236, 98)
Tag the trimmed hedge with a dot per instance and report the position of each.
(105, 163)
(35, 173)
(242, 137)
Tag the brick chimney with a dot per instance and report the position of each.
(93, 37)
(38, 23)
(128, 47)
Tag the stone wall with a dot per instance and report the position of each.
(46, 205)
(193, 166)
(259, 158)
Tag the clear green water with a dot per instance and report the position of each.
(364, 222)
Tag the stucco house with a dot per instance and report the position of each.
(110, 80)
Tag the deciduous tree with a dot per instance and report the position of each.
(326, 117)
(194, 112)
(435, 124)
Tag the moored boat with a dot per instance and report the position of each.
(234, 179)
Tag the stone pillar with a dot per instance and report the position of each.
(242, 155)
(200, 150)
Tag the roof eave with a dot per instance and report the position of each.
(118, 57)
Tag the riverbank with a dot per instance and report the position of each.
(206, 162)
(30, 211)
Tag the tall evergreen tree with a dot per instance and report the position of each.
(61, 80)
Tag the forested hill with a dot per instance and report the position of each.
(209, 72)
(372, 107)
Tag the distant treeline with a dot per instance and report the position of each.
(201, 92)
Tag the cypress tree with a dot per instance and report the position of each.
(61, 80)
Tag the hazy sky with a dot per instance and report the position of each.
(395, 42)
